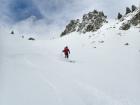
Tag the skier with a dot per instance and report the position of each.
(66, 51)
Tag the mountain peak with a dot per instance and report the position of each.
(90, 22)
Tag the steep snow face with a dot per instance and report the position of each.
(106, 69)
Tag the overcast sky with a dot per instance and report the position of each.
(58, 12)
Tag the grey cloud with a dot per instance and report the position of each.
(67, 9)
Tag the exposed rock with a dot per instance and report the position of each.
(71, 27)
(101, 41)
(31, 38)
(119, 16)
(130, 18)
(120, 34)
(12, 32)
(90, 22)
(136, 19)
(22, 36)
(133, 8)
(126, 44)
(127, 10)
(125, 26)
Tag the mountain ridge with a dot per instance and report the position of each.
(93, 21)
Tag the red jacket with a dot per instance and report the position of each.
(66, 50)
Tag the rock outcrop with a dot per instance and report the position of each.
(131, 18)
(89, 23)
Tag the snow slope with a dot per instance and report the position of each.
(105, 72)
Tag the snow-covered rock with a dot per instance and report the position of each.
(131, 18)
(89, 23)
